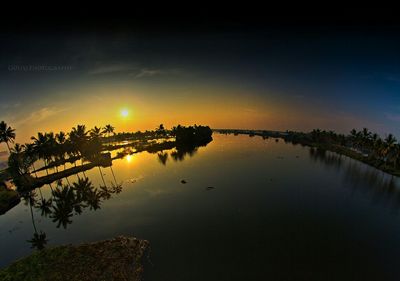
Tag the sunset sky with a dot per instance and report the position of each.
(295, 78)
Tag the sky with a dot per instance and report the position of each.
(270, 77)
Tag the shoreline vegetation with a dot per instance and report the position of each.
(121, 258)
(85, 149)
(363, 145)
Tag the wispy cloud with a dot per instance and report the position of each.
(132, 71)
(111, 69)
(147, 72)
(39, 115)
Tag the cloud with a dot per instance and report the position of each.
(110, 69)
(146, 72)
(132, 71)
(39, 115)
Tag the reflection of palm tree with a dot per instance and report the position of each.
(83, 187)
(101, 174)
(112, 172)
(64, 201)
(163, 157)
(117, 188)
(94, 199)
(45, 206)
(62, 214)
(7, 134)
(39, 239)
(181, 151)
(105, 192)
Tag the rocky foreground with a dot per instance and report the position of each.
(120, 258)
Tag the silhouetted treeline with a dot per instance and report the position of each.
(56, 150)
(363, 145)
(195, 135)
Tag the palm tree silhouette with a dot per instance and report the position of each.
(78, 137)
(31, 153)
(17, 160)
(38, 240)
(390, 144)
(7, 134)
(40, 144)
(108, 129)
(96, 132)
(61, 149)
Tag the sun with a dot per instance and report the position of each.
(124, 112)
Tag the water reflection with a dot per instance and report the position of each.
(383, 187)
(177, 154)
(71, 196)
(163, 157)
(39, 239)
(66, 201)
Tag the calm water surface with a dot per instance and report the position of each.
(276, 212)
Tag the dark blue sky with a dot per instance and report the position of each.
(342, 76)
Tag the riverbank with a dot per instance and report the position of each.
(306, 139)
(342, 149)
(120, 258)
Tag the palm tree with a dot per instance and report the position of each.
(40, 146)
(96, 132)
(19, 161)
(160, 130)
(31, 153)
(366, 137)
(61, 150)
(108, 129)
(51, 149)
(18, 148)
(78, 137)
(390, 145)
(39, 239)
(7, 134)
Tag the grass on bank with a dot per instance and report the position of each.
(116, 259)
